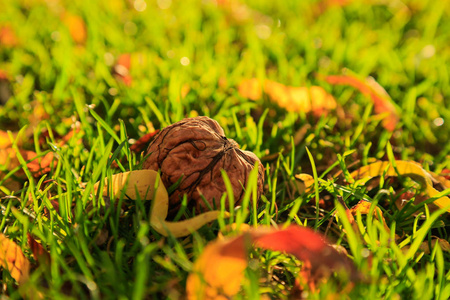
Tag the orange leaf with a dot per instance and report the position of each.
(122, 69)
(77, 27)
(219, 271)
(12, 259)
(8, 37)
(363, 207)
(9, 160)
(3, 75)
(369, 87)
(5, 141)
(250, 89)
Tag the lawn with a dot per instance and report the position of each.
(345, 103)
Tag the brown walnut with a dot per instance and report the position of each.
(196, 149)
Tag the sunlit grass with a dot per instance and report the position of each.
(101, 248)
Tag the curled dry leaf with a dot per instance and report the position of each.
(219, 271)
(381, 100)
(147, 185)
(305, 99)
(13, 260)
(194, 151)
(403, 168)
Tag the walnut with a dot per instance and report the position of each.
(196, 150)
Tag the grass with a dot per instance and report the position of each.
(109, 250)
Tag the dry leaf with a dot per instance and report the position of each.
(403, 168)
(305, 183)
(39, 253)
(305, 99)
(425, 246)
(185, 89)
(76, 26)
(250, 89)
(363, 207)
(5, 141)
(142, 143)
(219, 271)
(381, 100)
(12, 259)
(8, 37)
(38, 166)
(122, 69)
(142, 184)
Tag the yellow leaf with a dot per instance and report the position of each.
(363, 207)
(250, 89)
(305, 182)
(305, 99)
(221, 266)
(12, 259)
(403, 168)
(5, 141)
(146, 185)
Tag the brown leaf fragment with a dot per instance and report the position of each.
(142, 143)
(39, 253)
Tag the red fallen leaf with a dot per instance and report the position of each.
(12, 259)
(76, 26)
(446, 174)
(219, 270)
(369, 87)
(39, 253)
(8, 37)
(142, 143)
(122, 69)
(3, 75)
(306, 99)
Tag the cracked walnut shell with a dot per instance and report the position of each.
(196, 149)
